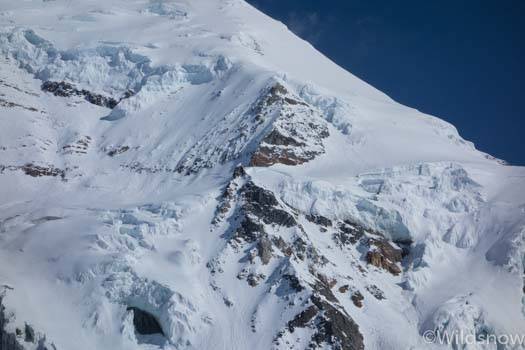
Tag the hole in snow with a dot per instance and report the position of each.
(145, 323)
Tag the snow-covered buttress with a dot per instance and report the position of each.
(188, 174)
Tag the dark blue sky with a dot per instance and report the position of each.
(460, 60)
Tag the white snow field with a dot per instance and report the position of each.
(189, 174)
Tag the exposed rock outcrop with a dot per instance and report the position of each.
(8, 341)
(384, 255)
(263, 204)
(256, 210)
(332, 326)
(80, 146)
(357, 298)
(319, 220)
(10, 104)
(64, 89)
(22, 338)
(296, 134)
(380, 252)
(36, 170)
(117, 150)
(259, 208)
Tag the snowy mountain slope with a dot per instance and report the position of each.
(190, 175)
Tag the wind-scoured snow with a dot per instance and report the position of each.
(191, 175)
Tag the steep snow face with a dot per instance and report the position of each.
(190, 175)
